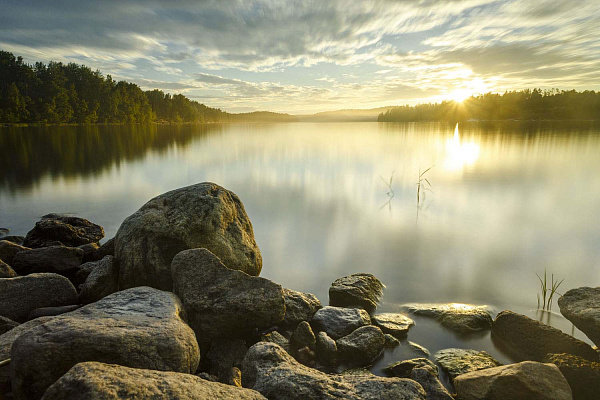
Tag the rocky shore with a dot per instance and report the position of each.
(173, 307)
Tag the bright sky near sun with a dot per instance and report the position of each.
(310, 56)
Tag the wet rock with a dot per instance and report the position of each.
(299, 307)
(139, 328)
(63, 229)
(428, 379)
(268, 369)
(526, 380)
(8, 250)
(527, 339)
(102, 281)
(390, 341)
(277, 338)
(58, 259)
(456, 362)
(581, 306)
(23, 294)
(6, 324)
(460, 318)
(4, 232)
(94, 380)
(403, 369)
(51, 311)
(418, 349)
(327, 350)
(14, 239)
(362, 346)
(303, 336)
(198, 216)
(582, 375)
(338, 322)
(393, 323)
(221, 302)
(223, 355)
(356, 290)
(6, 271)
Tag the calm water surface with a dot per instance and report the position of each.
(509, 201)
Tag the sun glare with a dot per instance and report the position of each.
(459, 95)
(460, 153)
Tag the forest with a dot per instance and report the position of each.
(524, 105)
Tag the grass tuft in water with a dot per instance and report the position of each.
(423, 185)
(547, 291)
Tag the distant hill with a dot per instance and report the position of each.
(350, 115)
(262, 116)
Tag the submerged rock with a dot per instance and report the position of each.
(8, 250)
(139, 327)
(460, 318)
(299, 307)
(356, 290)
(62, 229)
(403, 369)
(338, 322)
(583, 375)
(102, 280)
(221, 302)
(58, 259)
(581, 306)
(268, 369)
(6, 271)
(390, 341)
(527, 339)
(526, 380)
(393, 323)
(198, 216)
(94, 380)
(456, 362)
(362, 346)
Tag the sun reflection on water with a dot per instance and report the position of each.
(460, 153)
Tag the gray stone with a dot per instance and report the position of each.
(268, 369)
(102, 281)
(306, 356)
(223, 355)
(581, 306)
(58, 259)
(52, 311)
(393, 323)
(357, 372)
(418, 349)
(107, 249)
(88, 250)
(277, 338)
(460, 318)
(582, 375)
(338, 322)
(198, 216)
(390, 341)
(456, 362)
(6, 324)
(299, 307)
(428, 379)
(23, 294)
(14, 239)
(403, 369)
(356, 290)
(527, 339)
(221, 302)
(6, 271)
(63, 229)
(327, 350)
(139, 328)
(8, 250)
(93, 380)
(362, 346)
(526, 380)
(303, 336)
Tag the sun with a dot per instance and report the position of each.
(460, 95)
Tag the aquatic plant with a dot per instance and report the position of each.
(389, 184)
(423, 185)
(548, 292)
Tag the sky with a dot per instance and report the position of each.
(309, 56)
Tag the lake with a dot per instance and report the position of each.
(507, 201)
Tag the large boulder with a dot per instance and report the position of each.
(58, 259)
(62, 229)
(581, 306)
(139, 328)
(102, 281)
(428, 379)
(299, 307)
(23, 294)
(268, 369)
(338, 322)
(361, 347)
(8, 250)
(393, 323)
(356, 290)
(198, 216)
(456, 362)
(527, 339)
(583, 375)
(93, 380)
(52, 311)
(462, 319)
(526, 380)
(6, 271)
(222, 302)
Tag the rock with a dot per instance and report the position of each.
(390, 341)
(51, 311)
(107, 249)
(139, 328)
(4, 232)
(6, 271)
(357, 372)
(306, 357)
(23, 294)
(456, 362)
(63, 229)
(527, 339)
(94, 380)
(299, 307)
(356, 290)
(460, 318)
(268, 369)
(526, 380)
(327, 350)
(223, 355)
(58, 259)
(582, 375)
(403, 369)
(14, 239)
(198, 216)
(338, 322)
(207, 376)
(88, 250)
(581, 306)
(221, 302)
(392, 323)
(8, 250)
(428, 379)
(277, 338)
(303, 336)
(6, 324)
(235, 377)
(418, 349)
(362, 346)
(83, 271)
(102, 281)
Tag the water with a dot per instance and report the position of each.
(509, 200)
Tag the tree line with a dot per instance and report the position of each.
(512, 105)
